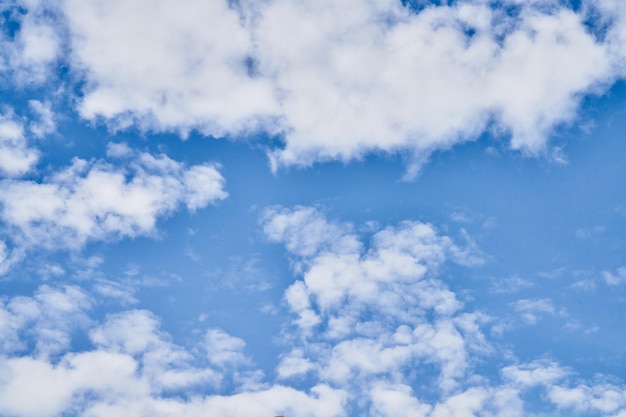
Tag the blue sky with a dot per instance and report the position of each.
(312, 208)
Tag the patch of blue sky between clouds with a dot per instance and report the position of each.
(287, 268)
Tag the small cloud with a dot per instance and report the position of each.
(46, 123)
(294, 364)
(510, 285)
(118, 150)
(191, 254)
(558, 156)
(459, 217)
(269, 309)
(586, 285)
(51, 270)
(586, 233)
(531, 310)
(223, 349)
(115, 290)
(617, 278)
(490, 223)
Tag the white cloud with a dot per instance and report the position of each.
(16, 157)
(28, 57)
(334, 80)
(48, 318)
(530, 310)
(362, 308)
(92, 200)
(510, 285)
(294, 364)
(535, 373)
(45, 123)
(617, 278)
(397, 400)
(115, 290)
(184, 65)
(132, 368)
(371, 315)
(166, 365)
(597, 397)
(363, 356)
(223, 349)
(364, 76)
(305, 231)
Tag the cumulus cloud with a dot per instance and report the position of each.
(363, 354)
(27, 56)
(333, 80)
(48, 318)
(186, 65)
(371, 313)
(45, 122)
(92, 200)
(357, 301)
(598, 397)
(132, 368)
(367, 76)
(16, 156)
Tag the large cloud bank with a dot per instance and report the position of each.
(334, 80)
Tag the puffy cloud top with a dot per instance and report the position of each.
(333, 80)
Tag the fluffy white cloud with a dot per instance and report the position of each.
(372, 314)
(367, 310)
(45, 122)
(16, 157)
(165, 365)
(598, 397)
(132, 369)
(336, 80)
(28, 56)
(363, 76)
(97, 200)
(362, 355)
(185, 65)
(48, 318)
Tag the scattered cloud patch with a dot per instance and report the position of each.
(617, 278)
(132, 368)
(531, 310)
(94, 200)
(16, 156)
(28, 55)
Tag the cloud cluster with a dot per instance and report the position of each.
(94, 200)
(373, 317)
(334, 80)
(48, 319)
(131, 367)
(383, 301)
(372, 320)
